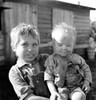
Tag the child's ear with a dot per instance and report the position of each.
(14, 48)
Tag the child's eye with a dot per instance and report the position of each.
(35, 44)
(59, 44)
(25, 44)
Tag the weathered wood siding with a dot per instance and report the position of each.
(18, 13)
(82, 25)
(45, 26)
(2, 49)
(48, 17)
(2, 41)
(42, 16)
(61, 15)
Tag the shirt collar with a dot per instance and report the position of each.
(21, 62)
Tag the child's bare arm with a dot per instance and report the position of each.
(53, 91)
(51, 86)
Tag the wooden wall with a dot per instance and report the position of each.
(2, 49)
(2, 40)
(18, 13)
(41, 15)
(82, 25)
(45, 26)
(80, 20)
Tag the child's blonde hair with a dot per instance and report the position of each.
(22, 30)
(64, 30)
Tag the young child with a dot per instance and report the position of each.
(27, 75)
(67, 74)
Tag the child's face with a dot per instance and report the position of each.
(27, 48)
(64, 47)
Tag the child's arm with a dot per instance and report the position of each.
(87, 76)
(22, 89)
(53, 91)
(86, 86)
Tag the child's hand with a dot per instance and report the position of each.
(55, 96)
(86, 87)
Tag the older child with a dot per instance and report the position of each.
(27, 74)
(67, 74)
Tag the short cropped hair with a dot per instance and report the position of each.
(65, 30)
(22, 30)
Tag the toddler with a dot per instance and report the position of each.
(67, 74)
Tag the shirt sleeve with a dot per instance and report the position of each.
(85, 68)
(87, 72)
(49, 64)
(20, 86)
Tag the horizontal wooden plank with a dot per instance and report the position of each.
(42, 30)
(2, 58)
(2, 63)
(44, 7)
(82, 12)
(45, 40)
(2, 52)
(82, 28)
(82, 35)
(46, 12)
(1, 35)
(45, 27)
(81, 21)
(44, 21)
(1, 47)
(81, 42)
(79, 51)
(81, 18)
(81, 46)
(48, 50)
(44, 16)
(1, 41)
(46, 35)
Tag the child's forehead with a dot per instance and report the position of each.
(65, 40)
(63, 32)
(66, 32)
(64, 36)
(27, 38)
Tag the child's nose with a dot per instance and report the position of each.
(63, 47)
(30, 49)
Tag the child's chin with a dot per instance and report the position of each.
(64, 54)
(30, 59)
